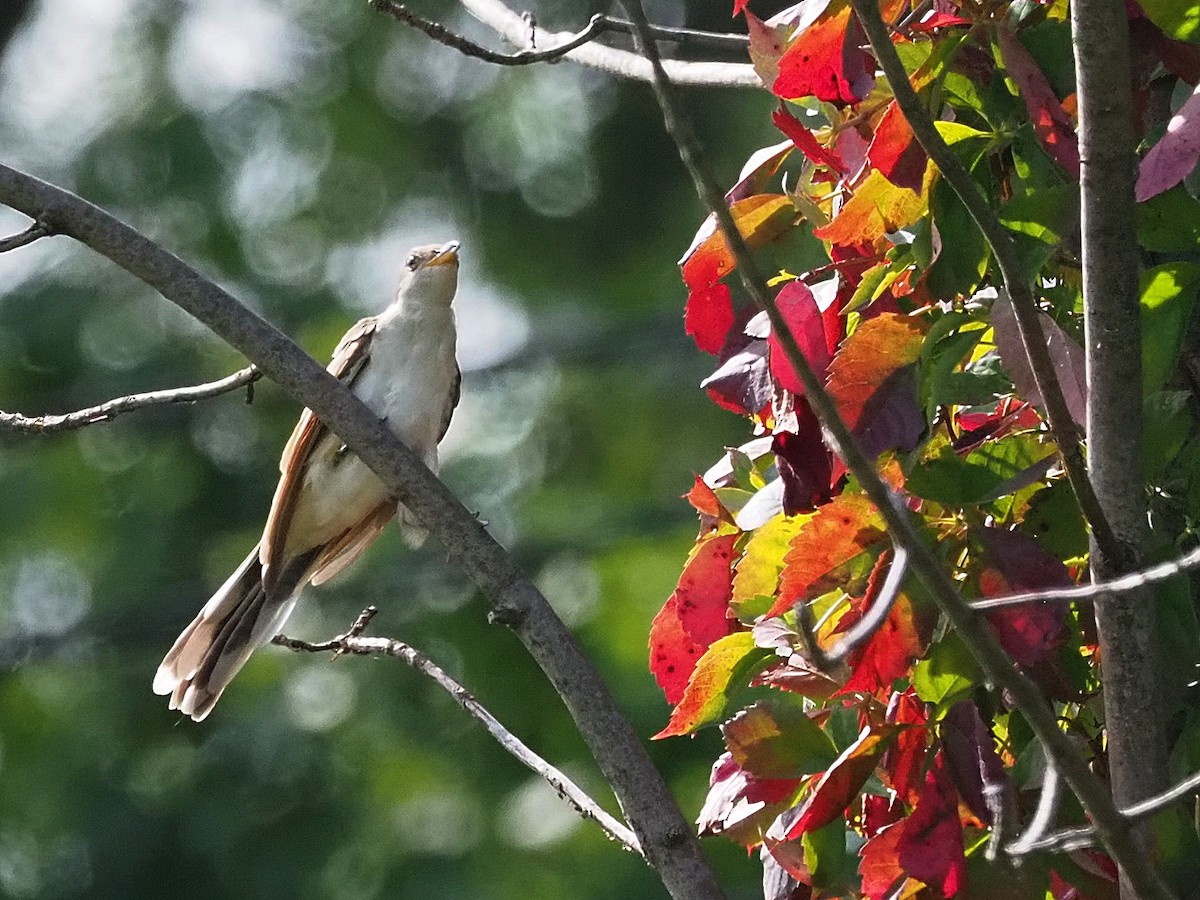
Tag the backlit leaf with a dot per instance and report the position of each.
(805, 140)
(726, 667)
(836, 533)
(947, 672)
(890, 652)
(1178, 18)
(798, 307)
(709, 316)
(759, 218)
(877, 208)
(757, 573)
(740, 805)
(1167, 294)
(827, 61)
(694, 616)
(894, 151)
(776, 738)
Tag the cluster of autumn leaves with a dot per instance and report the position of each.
(881, 775)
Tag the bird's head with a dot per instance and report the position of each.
(431, 273)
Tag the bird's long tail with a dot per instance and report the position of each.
(239, 619)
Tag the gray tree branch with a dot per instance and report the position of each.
(353, 642)
(666, 838)
(105, 412)
(518, 31)
(1112, 827)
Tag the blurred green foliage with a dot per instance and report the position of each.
(294, 150)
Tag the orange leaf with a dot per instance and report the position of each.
(826, 60)
(760, 219)
(876, 208)
(877, 350)
(726, 667)
(837, 533)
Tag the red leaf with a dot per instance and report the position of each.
(894, 151)
(837, 533)
(890, 652)
(803, 461)
(694, 616)
(798, 307)
(760, 218)
(934, 20)
(1016, 562)
(904, 762)
(709, 316)
(931, 844)
(805, 141)
(727, 665)
(1053, 126)
(1175, 155)
(826, 60)
(837, 788)
(880, 867)
(737, 800)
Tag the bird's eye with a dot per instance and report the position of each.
(412, 262)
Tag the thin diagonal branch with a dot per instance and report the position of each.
(34, 232)
(353, 642)
(1088, 592)
(1011, 270)
(106, 412)
(516, 30)
(665, 836)
(860, 632)
(599, 24)
(980, 641)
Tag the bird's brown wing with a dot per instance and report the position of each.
(348, 360)
(451, 403)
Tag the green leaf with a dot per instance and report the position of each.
(1054, 521)
(1045, 214)
(950, 339)
(1167, 294)
(1180, 19)
(826, 859)
(986, 474)
(1166, 423)
(775, 738)
(1169, 222)
(964, 252)
(946, 674)
(757, 574)
(725, 668)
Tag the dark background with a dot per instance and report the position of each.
(294, 150)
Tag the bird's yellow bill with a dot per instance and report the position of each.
(448, 254)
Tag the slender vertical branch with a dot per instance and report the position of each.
(1005, 254)
(1130, 649)
(982, 643)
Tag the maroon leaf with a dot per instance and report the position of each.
(1175, 155)
(974, 764)
(742, 384)
(1066, 355)
(798, 307)
(694, 616)
(1016, 562)
(894, 151)
(804, 463)
(1051, 123)
(931, 845)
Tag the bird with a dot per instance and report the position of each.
(328, 506)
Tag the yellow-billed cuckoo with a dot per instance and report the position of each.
(329, 506)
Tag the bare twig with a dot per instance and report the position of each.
(353, 642)
(105, 412)
(599, 24)
(28, 236)
(981, 642)
(1011, 270)
(1043, 816)
(861, 631)
(1087, 592)
(1085, 835)
(514, 28)
(665, 836)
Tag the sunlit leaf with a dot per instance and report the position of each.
(882, 875)
(805, 140)
(799, 309)
(694, 616)
(709, 316)
(726, 666)
(890, 652)
(757, 573)
(776, 738)
(1178, 18)
(947, 672)
(894, 151)
(837, 532)
(837, 788)
(1167, 295)
(826, 60)
(759, 218)
(877, 208)
(740, 805)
